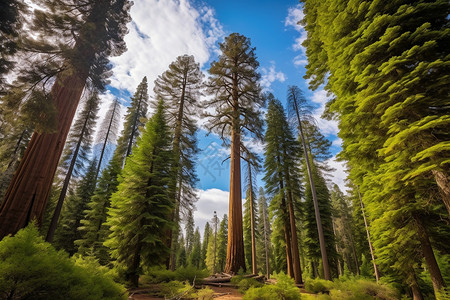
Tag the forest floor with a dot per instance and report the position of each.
(220, 293)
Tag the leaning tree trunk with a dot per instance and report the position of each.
(29, 189)
(375, 267)
(430, 259)
(62, 195)
(323, 250)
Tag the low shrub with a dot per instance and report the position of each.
(160, 274)
(362, 289)
(318, 285)
(177, 290)
(285, 288)
(31, 268)
(205, 294)
(247, 283)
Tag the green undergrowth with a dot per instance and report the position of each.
(285, 288)
(31, 268)
(160, 274)
(184, 290)
(350, 289)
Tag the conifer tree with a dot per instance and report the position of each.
(205, 242)
(74, 209)
(282, 178)
(236, 100)
(189, 228)
(93, 227)
(134, 120)
(90, 33)
(222, 239)
(250, 219)
(195, 258)
(181, 255)
(264, 248)
(139, 209)
(296, 105)
(78, 147)
(391, 99)
(107, 133)
(180, 87)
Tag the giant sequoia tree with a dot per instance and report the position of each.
(387, 65)
(180, 87)
(236, 101)
(96, 29)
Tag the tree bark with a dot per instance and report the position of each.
(62, 195)
(28, 191)
(235, 247)
(415, 289)
(430, 259)
(443, 182)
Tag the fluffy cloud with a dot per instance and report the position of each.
(321, 97)
(271, 75)
(295, 14)
(339, 175)
(210, 200)
(161, 31)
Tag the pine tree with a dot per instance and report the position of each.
(236, 100)
(195, 257)
(77, 149)
(282, 178)
(93, 227)
(181, 255)
(141, 205)
(134, 119)
(264, 228)
(222, 239)
(74, 209)
(96, 29)
(180, 87)
(205, 242)
(387, 72)
(107, 132)
(296, 105)
(189, 232)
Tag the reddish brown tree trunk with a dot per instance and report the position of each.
(235, 247)
(28, 191)
(430, 259)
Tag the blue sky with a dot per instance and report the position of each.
(163, 29)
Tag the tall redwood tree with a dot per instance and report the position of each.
(97, 32)
(236, 100)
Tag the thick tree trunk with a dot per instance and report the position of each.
(443, 182)
(430, 259)
(415, 289)
(28, 191)
(62, 195)
(235, 247)
(252, 221)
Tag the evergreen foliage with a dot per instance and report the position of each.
(195, 258)
(32, 269)
(222, 239)
(74, 211)
(140, 206)
(206, 237)
(264, 246)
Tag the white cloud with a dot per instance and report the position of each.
(339, 175)
(158, 35)
(295, 14)
(300, 60)
(321, 97)
(271, 75)
(210, 200)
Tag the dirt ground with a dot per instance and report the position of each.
(221, 293)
